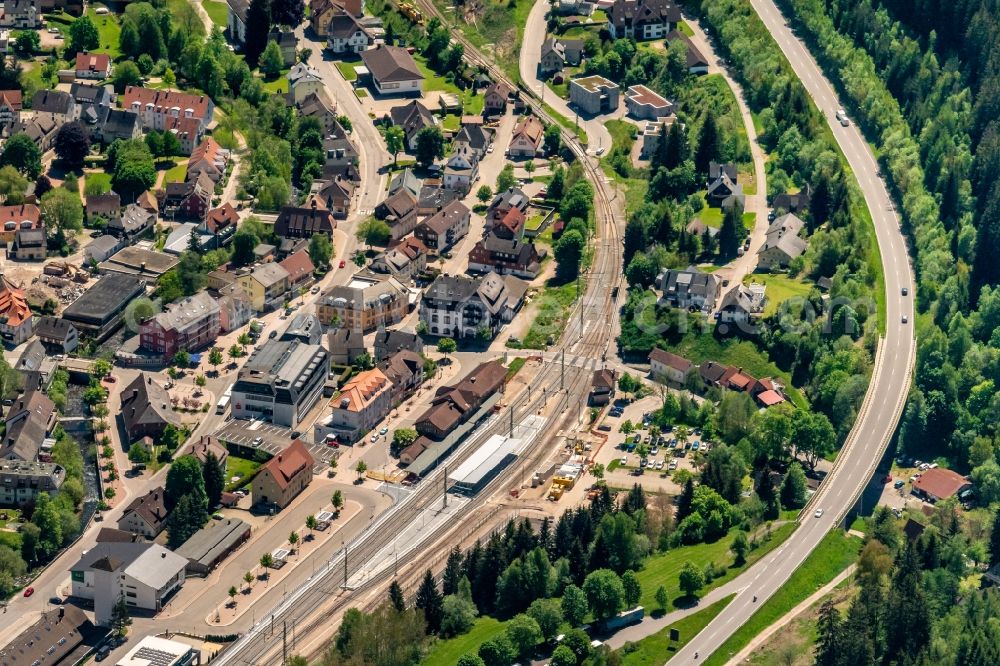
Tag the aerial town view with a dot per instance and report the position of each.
(499, 332)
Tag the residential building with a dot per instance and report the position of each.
(98, 312)
(156, 107)
(553, 57)
(283, 477)
(405, 370)
(41, 127)
(459, 306)
(114, 124)
(145, 574)
(93, 65)
(367, 302)
(742, 304)
(286, 41)
(205, 445)
(651, 133)
(300, 270)
(305, 328)
(60, 104)
(527, 138)
(594, 94)
(689, 288)
(132, 223)
(360, 405)
(10, 107)
(72, 7)
(236, 20)
(940, 484)
(695, 61)
(89, 94)
(322, 11)
(21, 482)
(21, 14)
(399, 211)
(412, 117)
(346, 35)
(210, 158)
(220, 224)
(454, 405)
(303, 81)
(644, 104)
(146, 409)
(495, 98)
(462, 169)
(782, 244)
(29, 245)
(502, 204)
(602, 387)
(642, 19)
(190, 200)
(57, 637)
(145, 515)
(340, 155)
(789, 202)
(501, 255)
(29, 423)
(21, 216)
(723, 188)
(189, 324)
(345, 345)
(207, 547)
(235, 307)
(319, 106)
(280, 382)
(156, 651)
(58, 335)
(336, 194)
(103, 248)
(444, 228)
(667, 366)
(393, 70)
(104, 206)
(305, 221)
(266, 285)
(390, 341)
(403, 260)
(15, 314)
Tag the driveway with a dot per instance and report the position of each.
(531, 54)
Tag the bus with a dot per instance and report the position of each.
(220, 407)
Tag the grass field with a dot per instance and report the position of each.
(664, 569)
(779, 289)
(634, 186)
(346, 68)
(472, 104)
(550, 318)
(176, 173)
(835, 553)
(11, 539)
(650, 651)
(240, 467)
(279, 85)
(97, 179)
(448, 652)
(217, 11)
(108, 29)
(534, 222)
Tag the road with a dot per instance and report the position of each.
(531, 54)
(890, 382)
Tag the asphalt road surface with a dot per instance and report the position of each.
(890, 383)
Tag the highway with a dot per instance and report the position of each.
(883, 403)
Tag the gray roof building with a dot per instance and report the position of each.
(212, 543)
(305, 327)
(28, 423)
(99, 310)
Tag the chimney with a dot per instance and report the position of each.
(279, 457)
(135, 393)
(163, 556)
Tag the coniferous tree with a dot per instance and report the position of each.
(430, 601)
(396, 597)
(685, 500)
(215, 479)
(731, 232)
(452, 572)
(708, 143)
(994, 541)
(829, 637)
(258, 27)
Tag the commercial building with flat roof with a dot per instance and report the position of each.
(156, 651)
(190, 324)
(21, 482)
(594, 94)
(280, 382)
(98, 312)
(212, 544)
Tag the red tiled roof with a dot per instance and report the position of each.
(770, 398)
(669, 359)
(221, 217)
(13, 304)
(289, 463)
(11, 98)
(166, 99)
(93, 62)
(298, 265)
(940, 483)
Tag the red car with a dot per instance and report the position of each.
(28, 591)
(342, 263)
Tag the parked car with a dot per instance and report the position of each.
(28, 591)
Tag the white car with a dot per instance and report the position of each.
(624, 460)
(672, 465)
(490, 148)
(374, 438)
(659, 464)
(819, 513)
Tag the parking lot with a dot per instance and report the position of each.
(271, 438)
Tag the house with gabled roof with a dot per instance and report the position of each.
(393, 70)
(283, 477)
(11, 102)
(412, 117)
(146, 409)
(527, 138)
(15, 314)
(399, 211)
(642, 19)
(305, 221)
(495, 98)
(667, 366)
(447, 226)
(146, 514)
(360, 404)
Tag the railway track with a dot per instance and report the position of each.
(588, 332)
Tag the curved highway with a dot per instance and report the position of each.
(890, 382)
